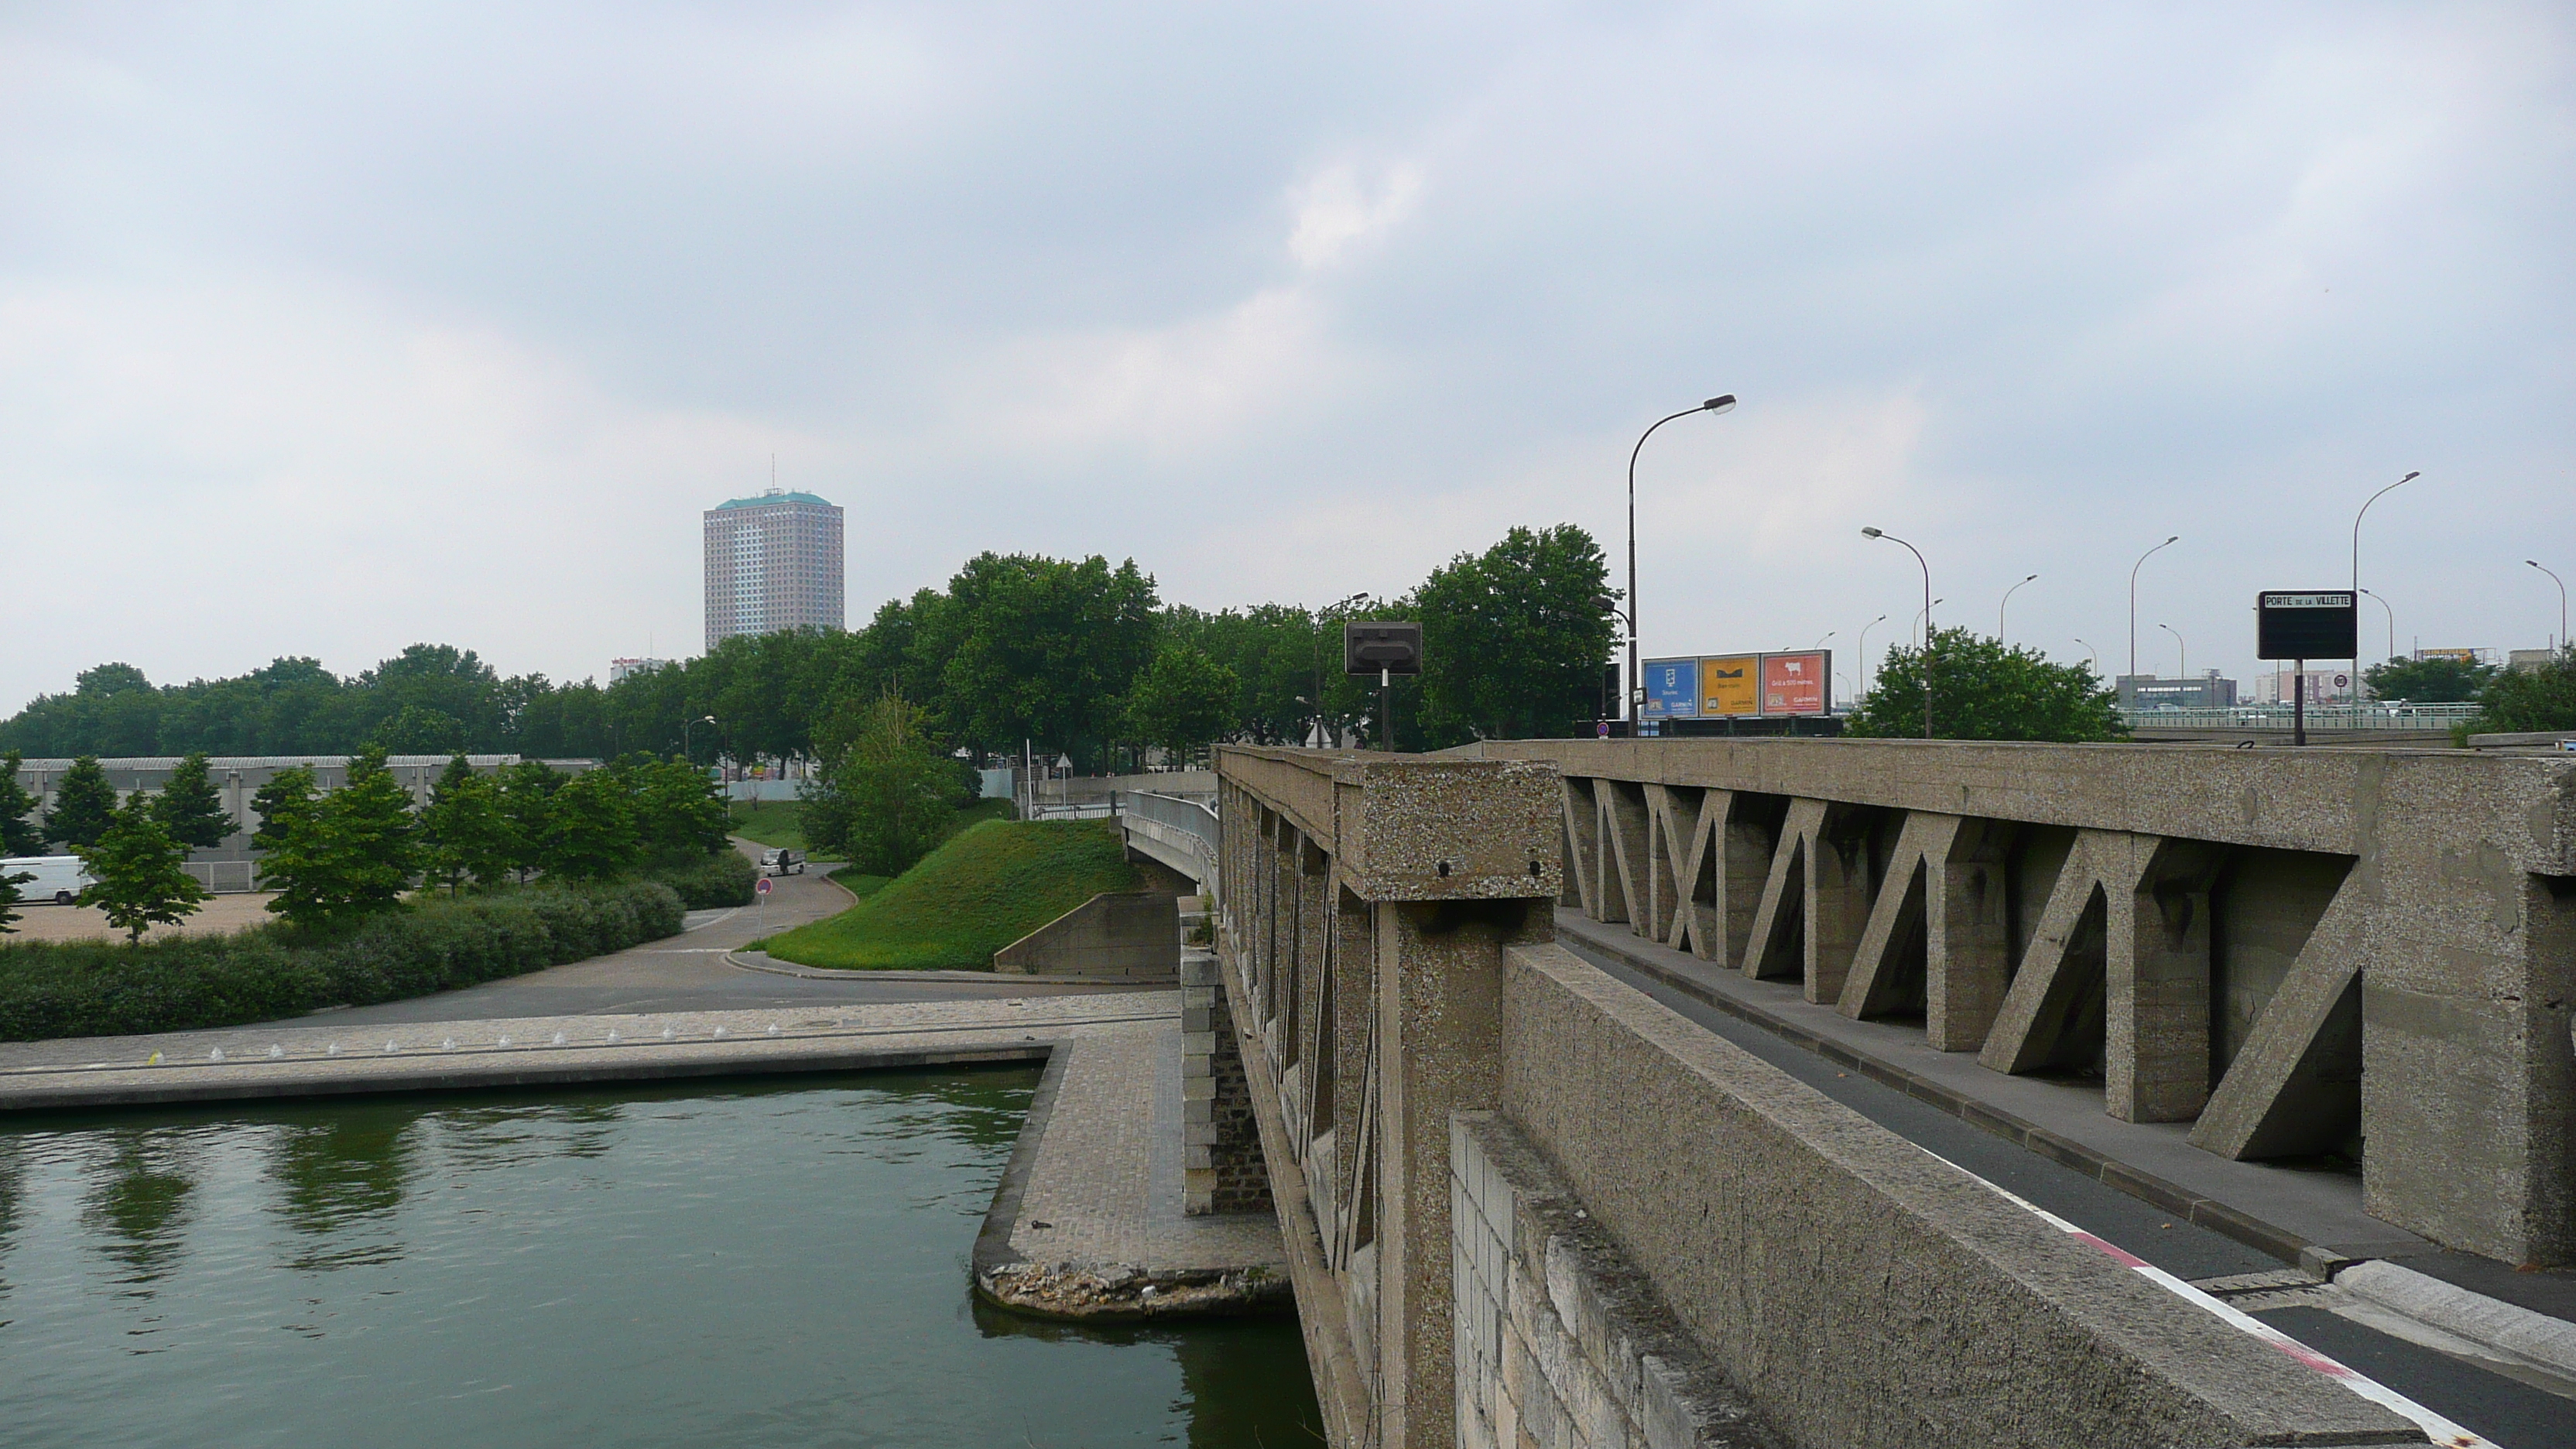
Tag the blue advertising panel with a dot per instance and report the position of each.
(1672, 689)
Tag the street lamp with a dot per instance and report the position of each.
(2392, 625)
(688, 724)
(2562, 599)
(1610, 606)
(1926, 661)
(1820, 641)
(1719, 404)
(2096, 653)
(1864, 650)
(2182, 652)
(2356, 562)
(2133, 597)
(2007, 603)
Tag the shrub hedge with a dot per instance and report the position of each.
(708, 882)
(185, 983)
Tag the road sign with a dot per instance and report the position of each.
(1381, 648)
(761, 885)
(2315, 624)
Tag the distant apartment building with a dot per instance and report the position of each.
(620, 670)
(2322, 686)
(773, 562)
(2146, 691)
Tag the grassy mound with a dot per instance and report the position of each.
(988, 886)
(770, 822)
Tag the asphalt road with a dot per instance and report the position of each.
(2514, 1414)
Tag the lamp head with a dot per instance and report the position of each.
(2411, 477)
(2177, 538)
(2026, 578)
(1871, 533)
(1722, 404)
(1603, 601)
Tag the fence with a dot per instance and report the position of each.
(2320, 717)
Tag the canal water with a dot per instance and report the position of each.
(773, 1264)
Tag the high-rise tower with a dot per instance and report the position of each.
(773, 562)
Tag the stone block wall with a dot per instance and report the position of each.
(1221, 1165)
(1561, 1343)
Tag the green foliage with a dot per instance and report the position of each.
(135, 872)
(2530, 700)
(1512, 642)
(191, 807)
(1182, 700)
(287, 799)
(342, 855)
(677, 808)
(1037, 648)
(1983, 690)
(2428, 681)
(19, 833)
(987, 887)
(770, 822)
(9, 898)
(888, 787)
(590, 827)
(186, 983)
(709, 882)
(527, 794)
(84, 804)
(463, 834)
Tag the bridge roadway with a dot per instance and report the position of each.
(2512, 1413)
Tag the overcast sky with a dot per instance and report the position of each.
(329, 328)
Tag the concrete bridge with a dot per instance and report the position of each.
(1526, 1202)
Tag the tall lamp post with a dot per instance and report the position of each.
(1926, 661)
(1610, 606)
(2182, 652)
(685, 726)
(2392, 627)
(2133, 598)
(1723, 403)
(2096, 653)
(2006, 604)
(2356, 560)
(2562, 598)
(1863, 650)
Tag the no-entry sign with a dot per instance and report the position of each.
(761, 885)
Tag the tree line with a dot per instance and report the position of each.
(335, 857)
(1079, 658)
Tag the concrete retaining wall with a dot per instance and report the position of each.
(1859, 1291)
(1114, 936)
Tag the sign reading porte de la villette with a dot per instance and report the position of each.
(2309, 624)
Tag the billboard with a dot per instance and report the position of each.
(1672, 688)
(1797, 683)
(1730, 684)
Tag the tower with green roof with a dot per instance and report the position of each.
(773, 562)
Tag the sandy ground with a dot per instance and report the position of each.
(215, 916)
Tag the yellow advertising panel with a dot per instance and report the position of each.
(1730, 684)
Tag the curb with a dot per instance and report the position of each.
(818, 973)
(2536, 1339)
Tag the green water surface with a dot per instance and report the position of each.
(782, 1263)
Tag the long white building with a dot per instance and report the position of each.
(773, 562)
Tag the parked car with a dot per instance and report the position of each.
(782, 862)
(58, 878)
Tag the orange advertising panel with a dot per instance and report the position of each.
(1794, 683)
(1730, 685)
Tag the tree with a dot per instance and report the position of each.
(677, 810)
(2428, 681)
(2521, 700)
(19, 834)
(1512, 642)
(286, 799)
(1982, 690)
(347, 854)
(527, 791)
(1182, 700)
(190, 807)
(136, 872)
(590, 826)
(888, 790)
(84, 805)
(463, 833)
(9, 897)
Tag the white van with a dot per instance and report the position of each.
(58, 878)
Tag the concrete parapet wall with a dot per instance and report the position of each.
(1859, 1291)
(1114, 936)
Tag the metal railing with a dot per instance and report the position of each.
(1176, 823)
(2320, 717)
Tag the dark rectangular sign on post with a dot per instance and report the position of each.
(2319, 624)
(1381, 648)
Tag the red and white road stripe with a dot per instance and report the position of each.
(2436, 1428)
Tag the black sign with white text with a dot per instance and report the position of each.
(2315, 624)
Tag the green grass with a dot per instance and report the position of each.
(991, 884)
(858, 883)
(770, 822)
